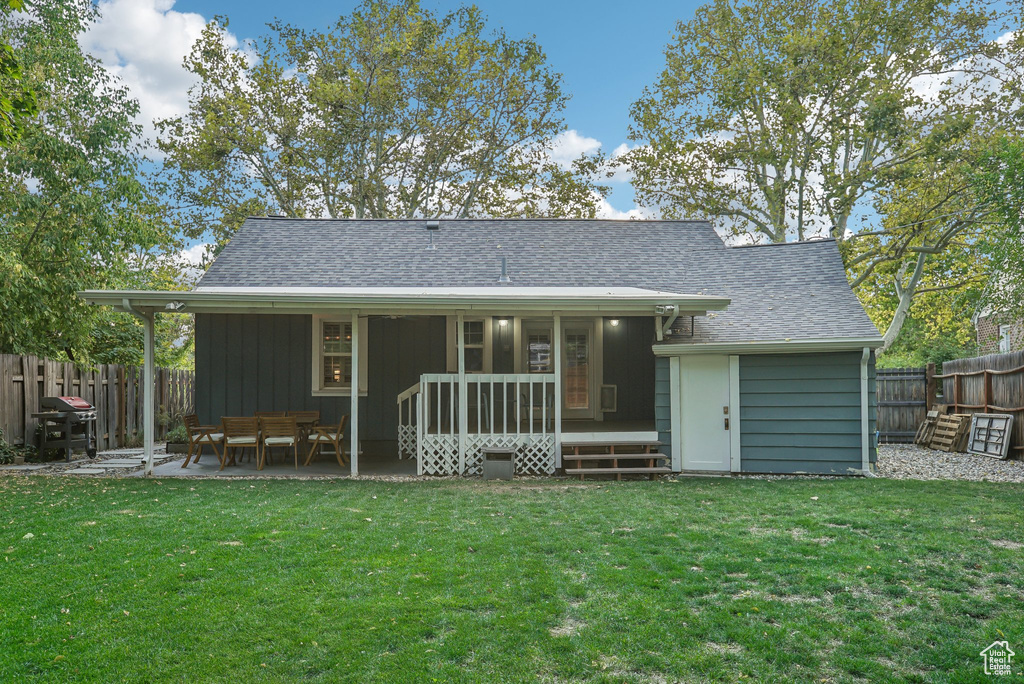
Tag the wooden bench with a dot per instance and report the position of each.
(611, 453)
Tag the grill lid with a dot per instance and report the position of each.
(66, 403)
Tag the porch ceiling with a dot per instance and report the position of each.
(411, 300)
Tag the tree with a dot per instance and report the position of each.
(1000, 178)
(394, 112)
(73, 211)
(790, 119)
(17, 102)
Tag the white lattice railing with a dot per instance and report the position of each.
(408, 402)
(508, 410)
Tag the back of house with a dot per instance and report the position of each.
(579, 346)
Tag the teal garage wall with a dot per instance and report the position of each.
(800, 413)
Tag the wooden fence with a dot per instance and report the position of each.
(902, 402)
(988, 384)
(115, 391)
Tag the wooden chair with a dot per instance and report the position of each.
(269, 414)
(277, 431)
(328, 434)
(239, 433)
(200, 436)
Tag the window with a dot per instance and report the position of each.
(538, 352)
(332, 355)
(336, 349)
(473, 346)
(477, 343)
(1004, 338)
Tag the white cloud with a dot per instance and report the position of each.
(606, 211)
(569, 145)
(143, 42)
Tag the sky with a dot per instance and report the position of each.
(607, 52)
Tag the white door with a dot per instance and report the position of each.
(704, 413)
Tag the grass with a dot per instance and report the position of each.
(695, 580)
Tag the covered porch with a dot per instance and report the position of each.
(501, 367)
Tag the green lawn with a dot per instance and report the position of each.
(837, 580)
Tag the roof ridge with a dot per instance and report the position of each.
(812, 241)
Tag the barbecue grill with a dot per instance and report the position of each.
(68, 424)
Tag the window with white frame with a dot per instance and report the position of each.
(1004, 338)
(332, 355)
(476, 345)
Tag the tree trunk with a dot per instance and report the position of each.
(906, 295)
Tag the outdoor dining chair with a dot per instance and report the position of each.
(278, 431)
(239, 433)
(200, 436)
(321, 435)
(269, 414)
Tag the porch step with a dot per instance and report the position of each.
(657, 470)
(654, 455)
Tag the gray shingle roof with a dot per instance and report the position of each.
(796, 291)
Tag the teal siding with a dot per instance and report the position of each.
(663, 403)
(629, 365)
(263, 362)
(800, 413)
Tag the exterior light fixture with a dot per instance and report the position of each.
(174, 306)
(502, 322)
(614, 322)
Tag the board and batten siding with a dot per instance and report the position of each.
(629, 365)
(263, 362)
(663, 403)
(801, 413)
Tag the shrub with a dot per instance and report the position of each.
(177, 435)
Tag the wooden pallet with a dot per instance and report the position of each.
(951, 433)
(927, 429)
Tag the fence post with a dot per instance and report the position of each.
(930, 389)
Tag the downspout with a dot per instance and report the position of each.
(148, 372)
(865, 418)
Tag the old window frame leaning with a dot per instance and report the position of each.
(319, 389)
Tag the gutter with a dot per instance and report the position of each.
(785, 346)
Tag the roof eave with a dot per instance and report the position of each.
(784, 346)
(209, 302)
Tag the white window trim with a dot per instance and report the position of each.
(1004, 337)
(453, 343)
(318, 360)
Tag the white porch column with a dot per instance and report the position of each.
(460, 334)
(558, 389)
(353, 430)
(148, 379)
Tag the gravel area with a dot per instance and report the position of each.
(80, 460)
(911, 462)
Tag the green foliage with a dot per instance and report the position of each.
(177, 435)
(74, 211)
(1000, 178)
(920, 343)
(17, 100)
(394, 112)
(8, 452)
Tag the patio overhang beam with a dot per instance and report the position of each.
(410, 302)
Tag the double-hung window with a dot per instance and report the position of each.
(332, 355)
(476, 345)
